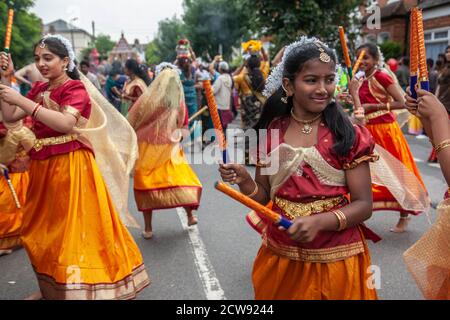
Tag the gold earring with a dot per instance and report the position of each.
(285, 98)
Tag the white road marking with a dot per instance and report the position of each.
(211, 285)
(418, 160)
(435, 165)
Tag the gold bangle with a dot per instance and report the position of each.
(342, 219)
(441, 146)
(251, 195)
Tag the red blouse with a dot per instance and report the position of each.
(307, 188)
(70, 94)
(366, 96)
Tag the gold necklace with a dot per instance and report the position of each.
(57, 85)
(307, 128)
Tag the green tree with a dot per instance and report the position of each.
(26, 30)
(391, 49)
(286, 20)
(169, 32)
(152, 54)
(213, 23)
(104, 44)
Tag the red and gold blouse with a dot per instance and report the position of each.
(72, 98)
(315, 183)
(370, 92)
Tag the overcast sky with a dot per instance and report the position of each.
(137, 18)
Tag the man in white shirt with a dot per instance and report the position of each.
(84, 68)
(223, 87)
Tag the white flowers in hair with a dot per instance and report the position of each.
(160, 67)
(275, 79)
(66, 44)
(381, 62)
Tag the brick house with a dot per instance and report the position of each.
(395, 25)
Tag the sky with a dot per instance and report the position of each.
(138, 19)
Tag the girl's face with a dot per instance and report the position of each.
(49, 64)
(313, 87)
(368, 62)
(447, 55)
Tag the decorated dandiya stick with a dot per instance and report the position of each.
(11, 188)
(423, 70)
(413, 53)
(8, 35)
(215, 118)
(358, 62)
(252, 204)
(197, 114)
(348, 62)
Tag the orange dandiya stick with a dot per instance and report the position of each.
(358, 62)
(348, 62)
(423, 70)
(252, 204)
(413, 53)
(9, 26)
(215, 118)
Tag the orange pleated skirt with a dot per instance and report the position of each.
(163, 179)
(280, 278)
(10, 216)
(391, 138)
(76, 242)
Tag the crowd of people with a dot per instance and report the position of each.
(331, 177)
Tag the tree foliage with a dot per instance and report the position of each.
(104, 44)
(211, 24)
(391, 49)
(163, 46)
(286, 20)
(26, 30)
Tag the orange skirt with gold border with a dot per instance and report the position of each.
(163, 179)
(10, 216)
(76, 242)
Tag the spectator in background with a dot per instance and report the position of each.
(432, 75)
(112, 89)
(440, 62)
(84, 68)
(222, 88)
(402, 73)
(135, 85)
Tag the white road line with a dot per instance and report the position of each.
(418, 160)
(435, 165)
(205, 269)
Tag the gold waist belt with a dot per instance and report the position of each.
(298, 209)
(52, 141)
(376, 114)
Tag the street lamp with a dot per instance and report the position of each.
(71, 30)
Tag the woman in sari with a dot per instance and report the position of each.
(77, 244)
(163, 179)
(379, 96)
(320, 158)
(135, 85)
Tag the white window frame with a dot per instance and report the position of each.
(433, 31)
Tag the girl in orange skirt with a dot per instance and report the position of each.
(320, 157)
(15, 160)
(379, 95)
(163, 179)
(77, 245)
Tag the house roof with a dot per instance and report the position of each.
(122, 46)
(392, 10)
(433, 3)
(63, 26)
